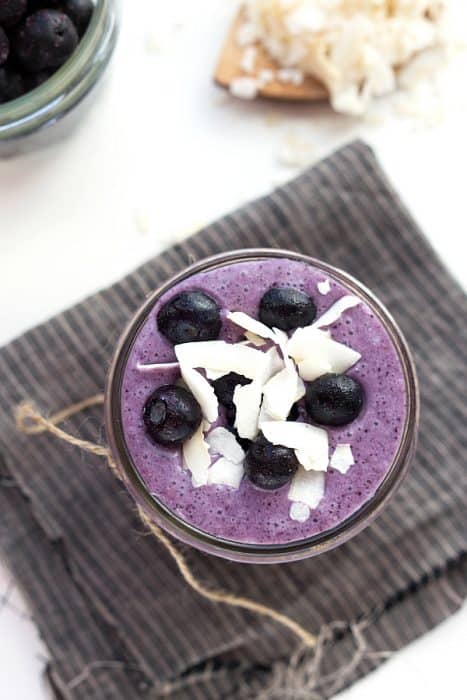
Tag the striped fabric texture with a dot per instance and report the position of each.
(118, 620)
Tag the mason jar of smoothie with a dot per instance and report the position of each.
(262, 406)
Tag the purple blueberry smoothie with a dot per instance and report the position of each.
(247, 514)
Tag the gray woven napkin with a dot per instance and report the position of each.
(117, 618)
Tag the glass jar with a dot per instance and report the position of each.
(238, 551)
(23, 120)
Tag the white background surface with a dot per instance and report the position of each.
(164, 151)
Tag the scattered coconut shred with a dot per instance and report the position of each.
(358, 50)
(213, 455)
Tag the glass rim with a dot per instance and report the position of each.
(242, 551)
(69, 84)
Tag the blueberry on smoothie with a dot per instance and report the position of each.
(80, 13)
(269, 466)
(11, 11)
(46, 39)
(286, 308)
(334, 399)
(224, 387)
(11, 85)
(171, 415)
(190, 317)
(4, 46)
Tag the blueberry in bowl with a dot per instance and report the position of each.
(52, 53)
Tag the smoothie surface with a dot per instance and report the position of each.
(249, 515)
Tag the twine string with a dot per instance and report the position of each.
(31, 422)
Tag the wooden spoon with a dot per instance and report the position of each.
(229, 68)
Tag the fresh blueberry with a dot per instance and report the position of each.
(269, 466)
(171, 415)
(4, 46)
(189, 317)
(44, 40)
(33, 80)
(80, 13)
(11, 11)
(11, 85)
(224, 387)
(286, 308)
(334, 399)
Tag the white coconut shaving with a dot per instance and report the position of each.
(247, 401)
(226, 473)
(324, 287)
(309, 442)
(354, 48)
(307, 488)
(196, 458)
(335, 311)
(244, 87)
(153, 367)
(252, 325)
(254, 339)
(222, 442)
(317, 353)
(248, 61)
(280, 393)
(299, 512)
(342, 458)
(202, 391)
(225, 357)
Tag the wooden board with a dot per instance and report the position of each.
(229, 67)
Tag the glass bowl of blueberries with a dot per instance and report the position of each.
(52, 53)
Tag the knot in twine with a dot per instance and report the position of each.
(31, 422)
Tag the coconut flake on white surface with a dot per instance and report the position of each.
(196, 458)
(324, 287)
(247, 401)
(202, 391)
(299, 512)
(248, 59)
(245, 88)
(309, 441)
(221, 356)
(226, 473)
(335, 311)
(307, 488)
(222, 442)
(342, 458)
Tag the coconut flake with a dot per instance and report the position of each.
(202, 391)
(307, 488)
(334, 312)
(317, 353)
(280, 393)
(214, 374)
(245, 88)
(294, 76)
(342, 458)
(310, 442)
(251, 324)
(226, 473)
(153, 367)
(221, 356)
(265, 76)
(196, 458)
(222, 442)
(247, 401)
(248, 60)
(299, 512)
(324, 287)
(254, 339)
